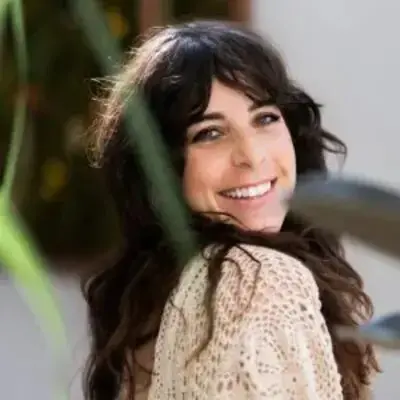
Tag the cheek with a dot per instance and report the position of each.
(202, 177)
(285, 159)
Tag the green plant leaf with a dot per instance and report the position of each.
(18, 254)
(23, 263)
(143, 134)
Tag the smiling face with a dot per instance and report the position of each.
(239, 160)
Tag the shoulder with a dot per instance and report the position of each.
(272, 270)
(254, 278)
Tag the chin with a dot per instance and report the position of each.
(270, 226)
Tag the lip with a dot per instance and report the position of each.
(273, 181)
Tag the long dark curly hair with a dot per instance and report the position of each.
(173, 69)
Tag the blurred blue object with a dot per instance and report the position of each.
(367, 212)
(384, 332)
(360, 209)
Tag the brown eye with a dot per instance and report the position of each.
(266, 118)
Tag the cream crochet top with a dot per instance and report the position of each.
(270, 339)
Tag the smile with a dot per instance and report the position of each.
(249, 192)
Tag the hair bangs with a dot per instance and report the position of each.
(194, 63)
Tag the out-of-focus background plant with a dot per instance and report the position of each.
(62, 200)
(55, 210)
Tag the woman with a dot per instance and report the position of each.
(253, 314)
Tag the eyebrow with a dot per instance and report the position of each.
(212, 116)
(261, 103)
(208, 117)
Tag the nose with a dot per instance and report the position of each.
(248, 152)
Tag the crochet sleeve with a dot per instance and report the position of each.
(283, 349)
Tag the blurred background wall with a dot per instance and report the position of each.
(347, 55)
(344, 53)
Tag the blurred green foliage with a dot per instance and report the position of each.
(62, 199)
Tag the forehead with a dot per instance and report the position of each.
(224, 98)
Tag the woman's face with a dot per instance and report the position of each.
(239, 160)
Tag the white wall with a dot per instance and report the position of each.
(27, 368)
(346, 53)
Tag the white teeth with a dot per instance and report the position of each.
(250, 192)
